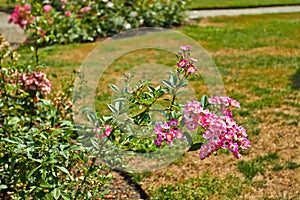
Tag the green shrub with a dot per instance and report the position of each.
(77, 21)
(40, 154)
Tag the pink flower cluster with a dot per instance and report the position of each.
(167, 132)
(220, 131)
(36, 81)
(103, 130)
(47, 8)
(184, 62)
(225, 101)
(21, 15)
(85, 9)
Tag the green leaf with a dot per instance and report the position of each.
(152, 89)
(168, 84)
(95, 144)
(118, 105)
(44, 184)
(204, 101)
(14, 140)
(133, 105)
(66, 123)
(65, 197)
(195, 146)
(63, 169)
(13, 120)
(32, 171)
(53, 75)
(91, 116)
(120, 99)
(49, 196)
(181, 92)
(2, 187)
(112, 108)
(173, 80)
(188, 137)
(114, 88)
(56, 193)
(56, 132)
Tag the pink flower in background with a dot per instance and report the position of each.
(47, 8)
(85, 9)
(21, 15)
(226, 101)
(67, 13)
(64, 1)
(42, 33)
(36, 81)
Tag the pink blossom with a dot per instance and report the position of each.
(182, 63)
(167, 132)
(64, 1)
(108, 130)
(185, 48)
(36, 81)
(173, 122)
(102, 131)
(191, 126)
(191, 68)
(85, 9)
(193, 60)
(47, 8)
(67, 13)
(42, 33)
(223, 100)
(219, 131)
(21, 16)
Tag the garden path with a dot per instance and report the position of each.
(194, 14)
(14, 34)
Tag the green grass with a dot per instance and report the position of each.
(247, 32)
(6, 4)
(209, 4)
(252, 168)
(202, 187)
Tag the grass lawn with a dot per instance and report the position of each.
(259, 59)
(210, 4)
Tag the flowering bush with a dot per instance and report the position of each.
(132, 112)
(78, 20)
(40, 153)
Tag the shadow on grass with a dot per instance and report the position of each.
(295, 80)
